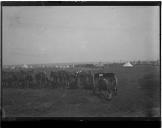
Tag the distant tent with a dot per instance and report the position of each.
(128, 64)
(25, 66)
(99, 64)
(13, 67)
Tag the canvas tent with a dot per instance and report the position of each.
(13, 67)
(128, 64)
(25, 66)
(99, 64)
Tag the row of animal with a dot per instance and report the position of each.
(98, 82)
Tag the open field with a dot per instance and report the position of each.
(138, 96)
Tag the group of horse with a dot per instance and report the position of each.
(99, 82)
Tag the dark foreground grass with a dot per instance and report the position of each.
(138, 96)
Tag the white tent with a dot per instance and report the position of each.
(128, 64)
(99, 64)
(67, 66)
(13, 67)
(25, 66)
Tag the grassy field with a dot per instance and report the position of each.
(138, 96)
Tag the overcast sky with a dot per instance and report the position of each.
(53, 34)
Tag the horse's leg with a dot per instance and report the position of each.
(115, 91)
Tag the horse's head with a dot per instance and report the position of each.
(77, 73)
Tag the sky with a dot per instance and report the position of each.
(58, 34)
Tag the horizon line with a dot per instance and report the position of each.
(88, 62)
